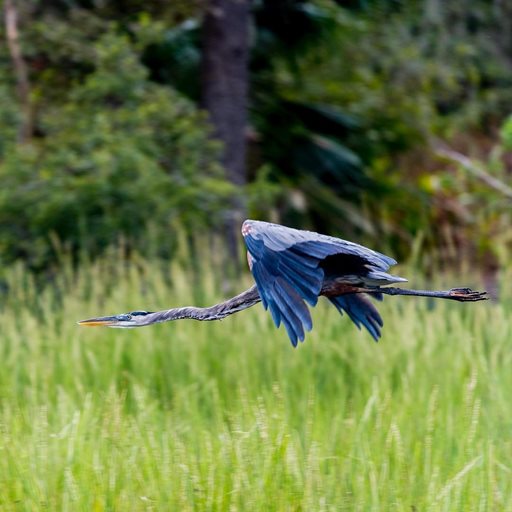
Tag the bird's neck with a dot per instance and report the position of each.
(242, 301)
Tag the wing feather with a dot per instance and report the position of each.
(261, 275)
(295, 315)
(361, 311)
(307, 280)
(287, 271)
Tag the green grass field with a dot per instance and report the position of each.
(227, 416)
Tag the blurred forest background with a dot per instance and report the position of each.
(381, 121)
(135, 135)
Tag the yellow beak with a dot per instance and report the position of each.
(103, 321)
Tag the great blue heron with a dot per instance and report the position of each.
(292, 267)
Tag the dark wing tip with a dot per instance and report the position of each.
(361, 311)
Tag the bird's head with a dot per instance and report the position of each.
(124, 320)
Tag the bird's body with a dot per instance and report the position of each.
(292, 268)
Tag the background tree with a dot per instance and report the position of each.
(224, 90)
(343, 113)
(303, 145)
(20, 69)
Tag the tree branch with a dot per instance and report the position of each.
(20, 69)
(475, 170)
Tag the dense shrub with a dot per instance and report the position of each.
(116, 152)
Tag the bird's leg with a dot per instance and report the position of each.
(458, 294)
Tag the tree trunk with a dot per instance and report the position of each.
(225, 79)
(20, 69)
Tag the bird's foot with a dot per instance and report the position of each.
(467, 295)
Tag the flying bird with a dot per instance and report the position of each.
(292, 268)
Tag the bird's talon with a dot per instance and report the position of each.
(467, 294)
(462, 290)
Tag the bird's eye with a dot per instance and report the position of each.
(124, 318)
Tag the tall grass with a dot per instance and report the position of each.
(228, 416)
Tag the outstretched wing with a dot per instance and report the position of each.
(285, 263)
(361, 311)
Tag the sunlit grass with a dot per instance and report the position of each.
(228, 416)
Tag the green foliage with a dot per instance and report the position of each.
(506, 134)
(430, 68)
(297, 141)
(9, 118)
(116, 152)
(228, 416)
(346, 97)
(411, 72)
(477, 193)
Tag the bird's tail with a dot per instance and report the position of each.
(361, 311)
(380, 278)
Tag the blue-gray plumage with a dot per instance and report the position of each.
(290, 267)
